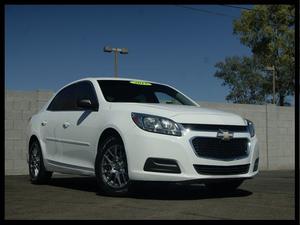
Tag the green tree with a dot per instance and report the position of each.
(269, 30)
(244, 78)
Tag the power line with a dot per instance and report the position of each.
(237, 7)
(206, 11)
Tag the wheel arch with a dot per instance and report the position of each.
(31, 140)
(107, 133)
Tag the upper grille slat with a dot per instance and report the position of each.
(215, 127)
(215, 148)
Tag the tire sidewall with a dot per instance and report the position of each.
(34, 178)
(43, 174)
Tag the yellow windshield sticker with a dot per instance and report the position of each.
(140, 83)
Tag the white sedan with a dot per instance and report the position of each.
(125, 130)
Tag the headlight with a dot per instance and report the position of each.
(251, 128)
(156, 124)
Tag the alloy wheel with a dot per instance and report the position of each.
(35, 161)
(114, 167)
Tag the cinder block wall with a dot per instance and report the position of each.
(274, 128)
(19, 107)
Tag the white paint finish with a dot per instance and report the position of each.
(69, 139)
(72, 142)
(78, 139)
(50, 150)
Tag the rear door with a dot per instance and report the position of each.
(47, 126)
(51, 122)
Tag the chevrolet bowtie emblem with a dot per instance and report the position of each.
(225, 135)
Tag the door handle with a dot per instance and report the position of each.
(44, 123)
(66, 125)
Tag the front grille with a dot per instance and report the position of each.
(215, 148)
(215, 127)
(222, 170)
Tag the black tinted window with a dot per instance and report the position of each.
(140, 92)
(85, 90)
(66, 99)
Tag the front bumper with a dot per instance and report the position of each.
(141, 145)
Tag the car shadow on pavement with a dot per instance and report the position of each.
(173, 191)
(88, 184)
(151, 190)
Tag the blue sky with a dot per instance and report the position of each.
(49, 46)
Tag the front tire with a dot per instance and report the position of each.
(37, 172)
(111, 167)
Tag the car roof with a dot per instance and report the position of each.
(95, 79)
(116, 78)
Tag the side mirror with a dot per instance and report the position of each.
(85, 104)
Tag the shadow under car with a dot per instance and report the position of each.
(151, 190)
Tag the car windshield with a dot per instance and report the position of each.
(141, 92)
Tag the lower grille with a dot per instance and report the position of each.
(215, 148)
(222, 170)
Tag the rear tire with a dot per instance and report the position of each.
(111, 167)
(224, 186)
(37, 172)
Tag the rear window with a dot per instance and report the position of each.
(141, 92)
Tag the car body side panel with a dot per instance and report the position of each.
(78, 141)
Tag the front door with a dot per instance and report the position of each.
(77, 129)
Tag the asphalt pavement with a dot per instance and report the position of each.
(270, 195)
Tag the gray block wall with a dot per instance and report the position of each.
(19, 107)
(275, 129)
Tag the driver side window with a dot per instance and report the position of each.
(66, 99)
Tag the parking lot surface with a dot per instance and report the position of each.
(270, 195)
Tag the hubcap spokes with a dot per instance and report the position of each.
(34, 161)
(114, 167)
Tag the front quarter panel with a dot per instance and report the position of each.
(121, 122)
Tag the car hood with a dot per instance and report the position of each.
(182, 113)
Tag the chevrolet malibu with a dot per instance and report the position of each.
(125, 130)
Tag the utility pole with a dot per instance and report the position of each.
(116, 63)
(272, 68)
(116, 50)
